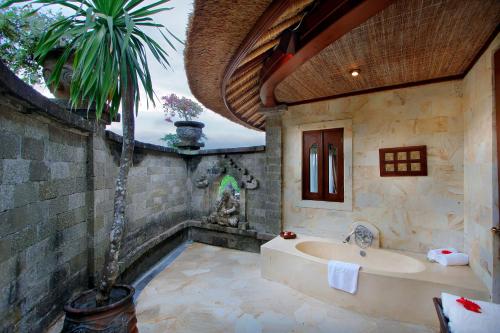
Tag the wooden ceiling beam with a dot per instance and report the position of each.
(231, 97)
(245, 97)
(323, 25)
(250, 111)
(251, 103)
(249, 66)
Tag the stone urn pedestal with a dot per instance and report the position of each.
(189, 133)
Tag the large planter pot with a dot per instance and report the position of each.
(62, 91)
(83, 316)
(49, 64)
(189, 133)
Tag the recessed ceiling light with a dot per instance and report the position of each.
(355, 72)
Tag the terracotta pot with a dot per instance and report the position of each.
(62, 91)
(189, 133)
(83, 316)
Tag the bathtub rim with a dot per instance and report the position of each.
(455, 276)
(372, 270)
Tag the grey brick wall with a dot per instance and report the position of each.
(273, 165)
(43, 219)
(157, 200)
(57, 175)
(56, 208)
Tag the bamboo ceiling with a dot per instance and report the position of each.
(410, 41)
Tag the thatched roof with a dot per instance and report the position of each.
(409, 41)
(216, 29)
(217, 37)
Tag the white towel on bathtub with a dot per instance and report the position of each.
(343, 275)
(453, 259)
(432, 254)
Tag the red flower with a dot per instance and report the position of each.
(446, 252)
(469, 305)
(288, 234)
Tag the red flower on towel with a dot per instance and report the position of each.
(446, 252)
(469, 305)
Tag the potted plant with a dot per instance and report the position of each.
(49, 63)
(108, 43)
(188, 132)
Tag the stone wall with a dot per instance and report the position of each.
(480, 166)
(43, 218)
(57, 177)
(273, 165)
(202, 200)
(57, 187)
(412, 213)
(157, 198)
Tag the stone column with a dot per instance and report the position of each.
(273, 167)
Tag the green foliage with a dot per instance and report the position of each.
(109, 46)
(171, 140)
(19, 36)
(228, 181)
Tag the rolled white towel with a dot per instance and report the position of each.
(453, 259)
(432, 254)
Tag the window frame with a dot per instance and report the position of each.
(323, 138)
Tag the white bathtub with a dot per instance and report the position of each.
(392, 284)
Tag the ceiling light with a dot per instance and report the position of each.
(355, 72)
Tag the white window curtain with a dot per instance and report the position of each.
(313, 169)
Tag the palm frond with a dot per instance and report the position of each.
(107, 43)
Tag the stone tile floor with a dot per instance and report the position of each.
(212, 289)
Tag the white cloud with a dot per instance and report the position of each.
(150, 126)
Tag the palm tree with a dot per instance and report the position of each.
(108, 43)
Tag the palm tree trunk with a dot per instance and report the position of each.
(111, 268)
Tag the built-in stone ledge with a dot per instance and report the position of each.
(204, 152)
(141, 145)
(147, 255)
(239, 150)
(21, 97)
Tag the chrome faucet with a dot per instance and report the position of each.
(348, 238)
(363, 237)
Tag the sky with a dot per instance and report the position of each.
(150, 124)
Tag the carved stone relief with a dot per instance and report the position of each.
(227, 206)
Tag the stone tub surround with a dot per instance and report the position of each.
(405, 281)
(455, 205)
(212, 289)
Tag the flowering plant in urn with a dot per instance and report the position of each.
(188, 131)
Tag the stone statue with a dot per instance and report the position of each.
(227, 210)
